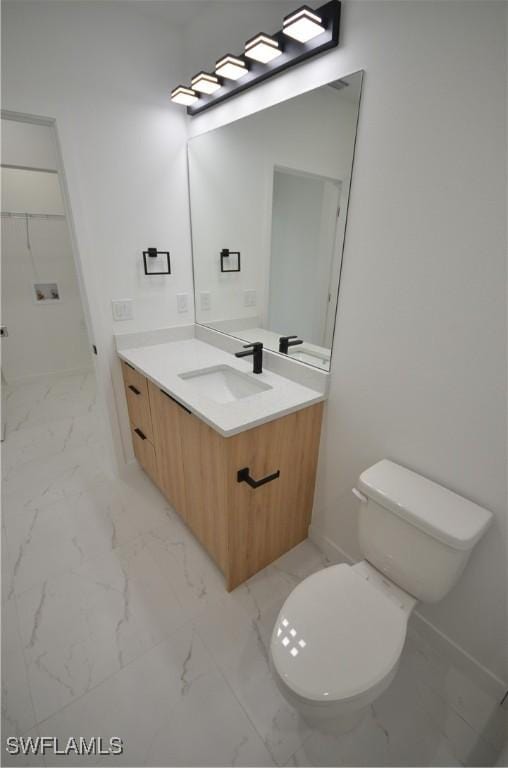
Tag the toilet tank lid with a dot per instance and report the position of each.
(441, 513)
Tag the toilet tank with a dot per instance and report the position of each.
(416, 532)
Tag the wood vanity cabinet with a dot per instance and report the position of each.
(243, 528)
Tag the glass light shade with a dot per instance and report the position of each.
(183, 95)
(262, 48)
(231, 68)
(303, 25)
(205, 83)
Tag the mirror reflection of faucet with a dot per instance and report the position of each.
(287, 341)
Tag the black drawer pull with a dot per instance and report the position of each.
(134, 389)
(140, 433)
(176, 401)
(244, 477)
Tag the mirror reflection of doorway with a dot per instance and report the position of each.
(304, 254)
(47, 368)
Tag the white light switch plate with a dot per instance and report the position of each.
(205, 300)
(122, 309)
(182, 302)
(249, 298)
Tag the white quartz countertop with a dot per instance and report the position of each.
(163, 364)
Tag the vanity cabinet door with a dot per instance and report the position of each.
(166, 423)
(267, 521)
(204, 466)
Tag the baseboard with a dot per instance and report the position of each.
(331, 550)
(49, 376)
(460, 658)
(456, 655)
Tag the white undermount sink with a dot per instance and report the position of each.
(223, 383)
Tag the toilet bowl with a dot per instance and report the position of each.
(337, 641)
(350, 614)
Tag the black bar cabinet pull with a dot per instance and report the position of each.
(140, 433)
(243, 476)
(134, 389)
(176, 401)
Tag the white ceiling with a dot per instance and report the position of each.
(182, 12)
(178, 12)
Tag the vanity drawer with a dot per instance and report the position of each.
(133, 378)
(145, 453)
(138, 404)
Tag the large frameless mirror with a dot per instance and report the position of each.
(269, 196)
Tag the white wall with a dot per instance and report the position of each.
(104, 70)
(27, 191)
(419, 365)
(28, 145)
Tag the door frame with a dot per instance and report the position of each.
(91, 310)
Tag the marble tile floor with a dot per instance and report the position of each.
(116, 623)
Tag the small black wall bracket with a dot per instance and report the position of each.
(243, 476)
(152, 253)
(227, 254)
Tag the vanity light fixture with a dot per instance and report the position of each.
(305, 33)
(205, 83)
(303, 25)
(262, 48)
(183, 95)
(231, 67)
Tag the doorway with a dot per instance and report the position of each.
(47, 367)
(305, 254)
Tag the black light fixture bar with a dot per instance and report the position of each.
(293, 52)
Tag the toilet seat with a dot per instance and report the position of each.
(338, 639)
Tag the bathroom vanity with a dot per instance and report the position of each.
(235, 452)
(238, 468)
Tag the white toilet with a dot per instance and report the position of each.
(337, 641)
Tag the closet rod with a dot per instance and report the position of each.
(33, 215)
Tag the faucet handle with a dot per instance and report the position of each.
(287, 338)
(254, 345)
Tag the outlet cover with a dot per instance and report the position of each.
(249, 298)
(205, 300)
(122, 309)
(182, 302)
